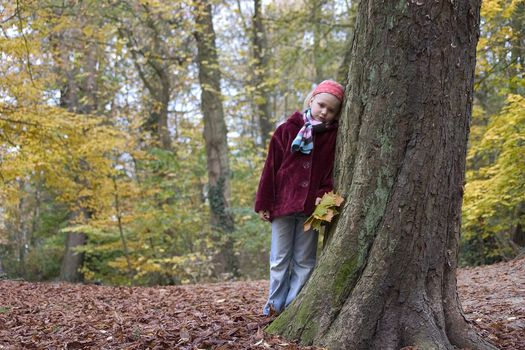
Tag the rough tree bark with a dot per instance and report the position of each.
(387, 277)
(215, 132)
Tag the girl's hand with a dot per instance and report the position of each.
(317, 201)
(264, 215)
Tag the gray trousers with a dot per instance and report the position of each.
(292, 260)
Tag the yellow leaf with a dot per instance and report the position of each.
(324, 211)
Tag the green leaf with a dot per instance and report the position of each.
(325, 211)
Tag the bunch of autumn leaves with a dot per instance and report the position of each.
(324, 212)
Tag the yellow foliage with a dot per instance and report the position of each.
(491, 8)
(495, 188)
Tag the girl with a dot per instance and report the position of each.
(297, 173)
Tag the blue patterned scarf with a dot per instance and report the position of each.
(304, 141)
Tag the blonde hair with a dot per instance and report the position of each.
(306, 104)
(307, 100)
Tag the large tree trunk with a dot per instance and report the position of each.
(387, 278)
(215, 132)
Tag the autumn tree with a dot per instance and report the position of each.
(387, 278)
(54, 142)
(215, 131)
(494, 206)
(157, 38)
(79, 60)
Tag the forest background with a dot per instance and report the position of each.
(109, 171)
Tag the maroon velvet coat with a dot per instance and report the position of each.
(291, 181)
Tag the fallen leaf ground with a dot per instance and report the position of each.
(493, 298)
(212, 316)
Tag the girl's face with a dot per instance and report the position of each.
(325, 107)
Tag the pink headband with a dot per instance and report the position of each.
(331, 87)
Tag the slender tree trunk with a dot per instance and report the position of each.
(22, 227)
(70, 270)
(159, 87)
(73, 260)
(161, 68)
(2, 273)
(153, 60)
(118, 214)
(315, 17)
(518, 48)
(66, 71)
(163, 126)
(79, 95)
(215, 132)
(36, 210)
(260, 68)
(387, 278)
(342, 71)
(157, 122)
(89, 83)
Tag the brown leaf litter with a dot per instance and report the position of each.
(212, 316)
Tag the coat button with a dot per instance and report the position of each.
(304, 184)
(306, 165)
